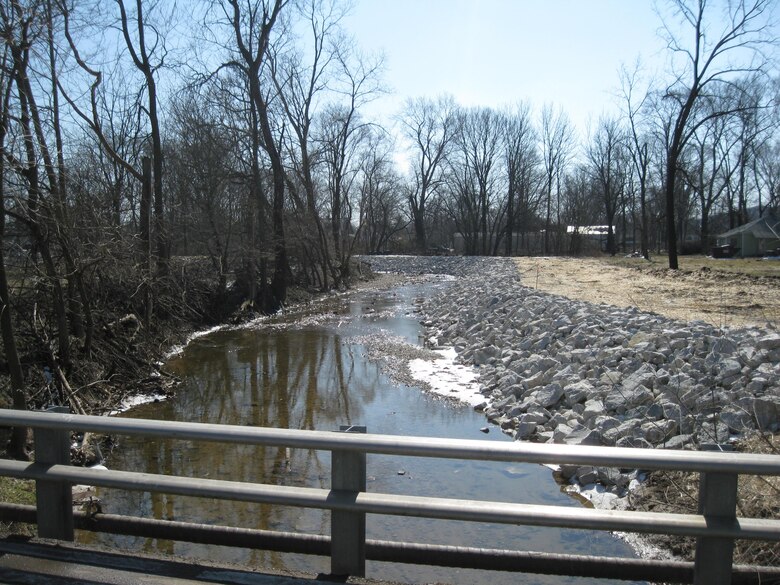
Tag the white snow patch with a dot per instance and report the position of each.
(137, 400)
(177, 349)
(447, 378)
(598, 495)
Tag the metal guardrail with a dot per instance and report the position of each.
(715, 526)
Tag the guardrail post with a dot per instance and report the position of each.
(718, 504)
(348, 529)
(54, 499)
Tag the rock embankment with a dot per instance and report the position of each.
(558, 370)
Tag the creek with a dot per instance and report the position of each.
(309, 369)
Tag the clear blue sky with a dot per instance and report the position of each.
(495, 52)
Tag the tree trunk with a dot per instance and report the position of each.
(255, 204)
(547, 217)
(645, 235)
(281, 277)
(671, 227)
(146, 240)
(17, 447)
(483, 220)
(36, 222)
(161, 232)
(510, 215)
(610, 239)
(418, 211)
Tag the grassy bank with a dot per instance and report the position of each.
(753, 267)
(17, 491)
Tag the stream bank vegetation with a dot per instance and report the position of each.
(678, 493)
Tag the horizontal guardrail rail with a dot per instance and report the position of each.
(389, 504)
(715, 526)
(701, 461)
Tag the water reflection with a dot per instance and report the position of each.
(315, 376)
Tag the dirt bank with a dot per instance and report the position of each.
(736, 295)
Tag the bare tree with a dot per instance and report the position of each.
(606, 155)
(202, 166)
(343, 133)
(557, 143)
(251, 23)
(302, 79)
(709, 175)
(639, 152)
(17, 447)
(144, 42)
(21, 29)
(706, 59)
(430, 127)
(581, 206)
(119, 137)
(460, 201)
(521, 161)
(381, 206)
(751, 127)
(767, 175)
(481, 138)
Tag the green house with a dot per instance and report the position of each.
(757, 238)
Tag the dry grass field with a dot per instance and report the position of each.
(725, 293)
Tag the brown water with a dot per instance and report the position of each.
(308, 371)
